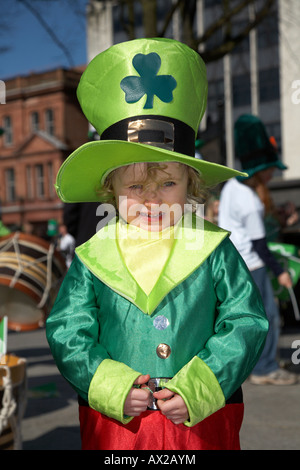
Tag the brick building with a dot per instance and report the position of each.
(43, 124)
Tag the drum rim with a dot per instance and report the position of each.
(16, 326)
(37, 240)
(30, 290)
(21, 287)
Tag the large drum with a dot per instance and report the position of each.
(13, 400)
(31, 271)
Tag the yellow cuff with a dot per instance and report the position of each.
(109, 389)
(200, 390)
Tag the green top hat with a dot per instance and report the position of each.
(253, 147)
(145, 98)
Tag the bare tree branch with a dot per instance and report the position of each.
(149, 17)
(169, 17)
(49, 30)
(187, 10)
(222, 21)
(230, 43)
(127, 21)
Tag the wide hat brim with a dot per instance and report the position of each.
(264, 166)
(85, 170)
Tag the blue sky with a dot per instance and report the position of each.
(30, 48)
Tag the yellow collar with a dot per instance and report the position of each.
(195, 240)
(144, 253)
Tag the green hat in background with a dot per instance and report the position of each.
(145, 98)
(253, 146)
(3, 229)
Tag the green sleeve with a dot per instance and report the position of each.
(230, 354)
(72, 330)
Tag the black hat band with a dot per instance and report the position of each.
(168, 133)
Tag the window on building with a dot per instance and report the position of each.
(267, 32)
(49, 118)
(29, 182)
(8, 131)
(40, 181)
(35, 121)
(10, 185)
(269, 89)
(51, 180)
(212, 3)
(214, 40)
(215, 99)
(237, 28)
(241, 90)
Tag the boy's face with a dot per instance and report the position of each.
(151, 201)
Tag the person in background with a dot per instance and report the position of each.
(242, 212)
(66, 244)
(28, 228)
(212, 208)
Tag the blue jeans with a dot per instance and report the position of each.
(267, 362)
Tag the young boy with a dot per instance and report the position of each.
(158, 322)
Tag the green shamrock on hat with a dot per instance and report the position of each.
(148, 83)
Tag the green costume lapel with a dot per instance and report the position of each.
(193, 243)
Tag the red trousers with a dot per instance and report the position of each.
(152, 431)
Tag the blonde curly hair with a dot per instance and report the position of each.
(196, 191)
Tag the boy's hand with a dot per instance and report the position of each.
(137, 399)
(174, 408)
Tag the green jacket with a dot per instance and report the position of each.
(103, 329)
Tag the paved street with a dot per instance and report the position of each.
(272, 413)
